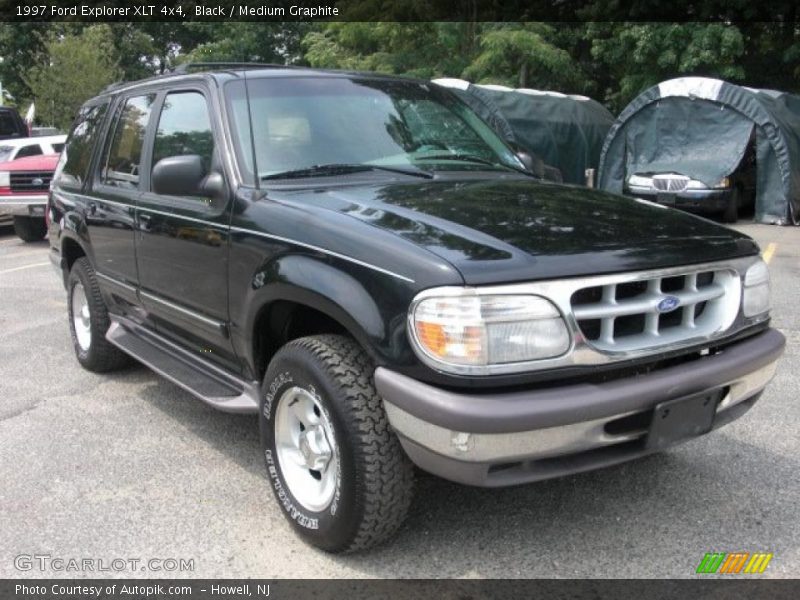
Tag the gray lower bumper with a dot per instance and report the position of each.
(515, 437)
(702, 200)
(24, 205)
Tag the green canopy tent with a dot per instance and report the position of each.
(701, 128)
(565, 131)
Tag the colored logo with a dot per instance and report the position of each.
(667, 304)
(734, 563)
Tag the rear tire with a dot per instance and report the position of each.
(731, 212)
(89, 322)
(336, 468)
(30, 229)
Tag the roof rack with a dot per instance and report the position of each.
(187, 67)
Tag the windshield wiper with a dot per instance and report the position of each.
(342, 169)
(464, 158)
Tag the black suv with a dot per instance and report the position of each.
(362, 262)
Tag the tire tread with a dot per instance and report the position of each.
(387, 479)
(103, 356)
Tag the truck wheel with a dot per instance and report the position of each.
(731, 212)
(337, 470)
(30, 229)
(88, 321)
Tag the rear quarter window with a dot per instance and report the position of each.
(78, 152)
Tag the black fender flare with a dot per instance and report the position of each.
(315, 283)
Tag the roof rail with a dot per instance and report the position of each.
(186, 67)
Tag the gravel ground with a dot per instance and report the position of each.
(131, 466)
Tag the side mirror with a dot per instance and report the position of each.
(533, 165)
(179, 175)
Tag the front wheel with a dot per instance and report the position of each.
(30, 229)
(731, 212)
(337, 470)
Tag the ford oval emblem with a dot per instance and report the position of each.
(667, 304)
(37, 181)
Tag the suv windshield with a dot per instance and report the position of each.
(304, 125)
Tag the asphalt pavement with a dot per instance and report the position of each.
(129, 466)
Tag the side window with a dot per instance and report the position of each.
(184, 128)
(29, 150)
(57, 148)
(121, 166)
(77, 155)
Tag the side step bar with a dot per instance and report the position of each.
(212, 385)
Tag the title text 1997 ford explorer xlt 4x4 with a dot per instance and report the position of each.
(363, 263)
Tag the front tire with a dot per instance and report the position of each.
(731, 212)
(337, 470)
(89, 322)
(30, 229)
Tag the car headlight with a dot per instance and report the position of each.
(640, 181)
(469, 333)
(5, 179)
(693, 184)
(755, 297)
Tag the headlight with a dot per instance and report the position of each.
(755, 297)
(693, 184)
(5, 179)
(469, 334)
(640, 181)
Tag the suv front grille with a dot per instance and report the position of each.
(30, 181)
(676, 183)
(634, 315)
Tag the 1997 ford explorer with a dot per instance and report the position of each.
(363, 263)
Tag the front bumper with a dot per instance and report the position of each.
(30, 205)
(709, 200)
(507, 438)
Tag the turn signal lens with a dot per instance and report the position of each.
(755, 297)
(724, 183)
(469, 333)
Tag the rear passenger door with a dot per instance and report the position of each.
(111, 207)
(182, 241)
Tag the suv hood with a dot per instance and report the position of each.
(515, 230)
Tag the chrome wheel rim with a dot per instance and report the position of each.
(81, 317)
(306, 449)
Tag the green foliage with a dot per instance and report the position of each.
(20, 46)
(641, 55)
(418, 49)
(523, 56)
(247, 42)
(610, 61)
(77, 67)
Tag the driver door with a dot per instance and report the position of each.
(182, 240)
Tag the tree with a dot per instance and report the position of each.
(21, 45)
(524, 56)
(75, 68)
(271, 42)
(641, 55)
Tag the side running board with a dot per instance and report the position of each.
(211, 384)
